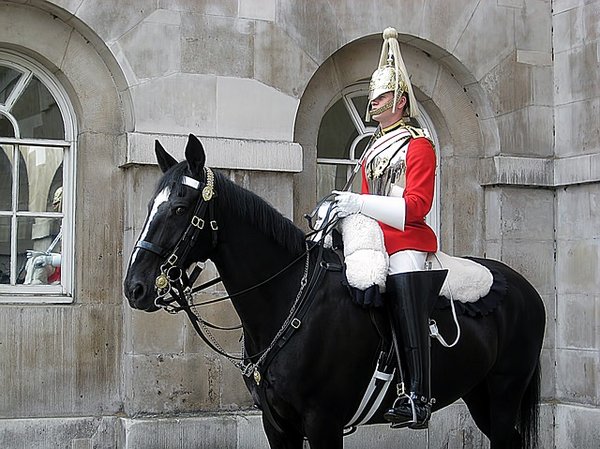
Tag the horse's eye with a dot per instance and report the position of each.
(180, 210)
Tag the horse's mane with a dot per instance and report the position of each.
(239, 203)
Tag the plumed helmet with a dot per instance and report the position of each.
(391, 74)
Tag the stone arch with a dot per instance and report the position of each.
(77, 56)
(96, 88)
(455, 103)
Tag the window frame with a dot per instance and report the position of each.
(45, 294)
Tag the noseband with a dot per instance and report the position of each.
(173, 278)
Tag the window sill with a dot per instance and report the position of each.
(34, 294)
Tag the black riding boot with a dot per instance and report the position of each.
(410, 298)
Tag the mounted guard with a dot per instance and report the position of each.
(398, 182)
(307, 371)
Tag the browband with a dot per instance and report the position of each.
(190, 182)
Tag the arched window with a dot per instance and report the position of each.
(344, 135)
(37, 132)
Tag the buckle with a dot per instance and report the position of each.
(400, 390)
(172, 259)
(198, 222)
(213, 225)
(295, 323)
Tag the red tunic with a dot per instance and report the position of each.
(418, 196)
(54, 277)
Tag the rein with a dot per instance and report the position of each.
(216, 280)
(174, 281)
(174, 285)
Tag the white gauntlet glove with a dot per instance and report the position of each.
(387, 209)
(347, 203)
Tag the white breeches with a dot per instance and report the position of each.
(407, 260)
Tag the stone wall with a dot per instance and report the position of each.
(576, 42)
(512, 88)
(61, 364)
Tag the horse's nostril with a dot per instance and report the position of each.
(137, 291)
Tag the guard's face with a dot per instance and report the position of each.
(382, 99)
(381, 108)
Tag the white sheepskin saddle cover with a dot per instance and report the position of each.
(367, 262)
(364, 252)
(467, 281)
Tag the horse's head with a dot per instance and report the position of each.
(178, 219)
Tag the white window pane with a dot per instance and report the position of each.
(6, 127)
(40, 177)
(360, 103)
(6, 177)
(333, 177)
(38, 114)
(5, 250)
(8, 80)
(361, 146)
(336, 133)
(326, 175)
(38, 250)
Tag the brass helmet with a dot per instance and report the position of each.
(391, 76)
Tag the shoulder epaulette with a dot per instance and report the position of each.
(419, 132)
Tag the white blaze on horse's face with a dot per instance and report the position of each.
(161, 198)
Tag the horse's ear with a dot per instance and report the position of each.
(164, 159)
(195, 156)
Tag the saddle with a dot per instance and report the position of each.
(467, 280)
(367, 263)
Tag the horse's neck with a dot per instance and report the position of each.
(246, 259)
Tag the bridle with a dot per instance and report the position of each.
(174, 281)
(173, 276)
(174, 285)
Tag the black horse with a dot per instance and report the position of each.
(313, 385)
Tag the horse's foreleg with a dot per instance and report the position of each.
(289, 439)
(325, 434)
(327, 441)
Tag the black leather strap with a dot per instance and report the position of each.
(295, 324)
(148, 246)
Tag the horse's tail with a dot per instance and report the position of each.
(529, 413)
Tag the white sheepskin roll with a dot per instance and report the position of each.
(364, 252)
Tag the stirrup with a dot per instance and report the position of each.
(405, 421)
(413, 421)
(415, 424)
